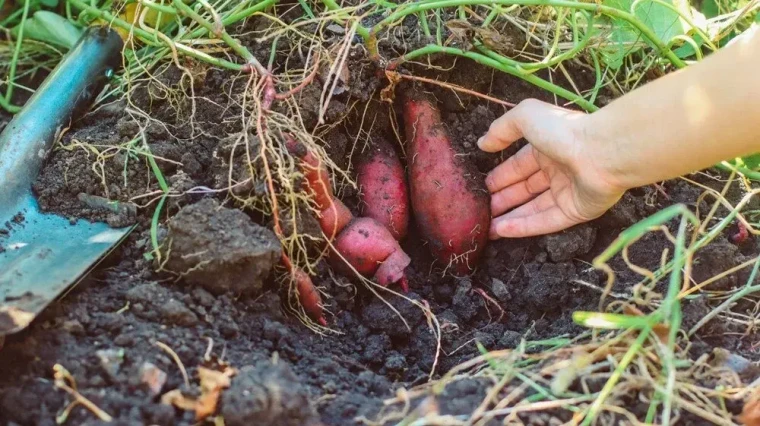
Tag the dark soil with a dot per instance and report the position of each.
(105, 331)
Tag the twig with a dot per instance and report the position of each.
(176, 359)
(394, 76)
(64, 380)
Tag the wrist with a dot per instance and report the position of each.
(603, 156)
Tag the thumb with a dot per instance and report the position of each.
(517, 123)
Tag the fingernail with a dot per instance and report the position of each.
(492, 234)
(480, 142)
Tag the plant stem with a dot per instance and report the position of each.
(670, 310)
(234, 44)
(751, 174)
(598, 82)
(485, 60)
(245, 13)
(591, 7)
(637, 345)
(147, 38)
(546, 63)
(159, 8)
(361, 30)
(424, 24)
(16, 51)
(7, 21)
(144, 36)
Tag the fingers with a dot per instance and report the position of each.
(548, 221)
(511, 126)
(514, 169)
(539, 204)
(519, 193)
(503, 132)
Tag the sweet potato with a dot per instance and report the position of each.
(309, 296)
(383, 189)
(370, 248)
(364, 243)
(450, 205)
(333, 214)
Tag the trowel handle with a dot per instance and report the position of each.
(69, 88)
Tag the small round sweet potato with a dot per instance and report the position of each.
(383, 189)
(371, 249)
(450, 203)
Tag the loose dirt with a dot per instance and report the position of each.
(226, 302)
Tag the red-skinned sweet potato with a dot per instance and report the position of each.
(363, 242)
(383, 189)
(371, 249)
(333, 214)
(309, 296)
(450, 205)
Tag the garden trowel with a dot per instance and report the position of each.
(43, 254)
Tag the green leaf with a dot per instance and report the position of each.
(665, 22)
(687, 50)
(710, 8)
(49, 27)
(49, 3)
(752, 161)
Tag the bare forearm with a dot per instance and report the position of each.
(686, 121)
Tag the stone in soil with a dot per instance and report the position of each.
(268, 393)
(220, 249)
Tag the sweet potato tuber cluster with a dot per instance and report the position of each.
(359, 243)
(449, 202)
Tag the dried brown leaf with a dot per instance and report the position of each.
(212, 384)
(179, 400)
(212, 378)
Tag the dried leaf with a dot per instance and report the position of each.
(212, 383)
(388, 93)
(179, 400)
(213, 379)
(337, 29)
(343, 75)
(750, 415)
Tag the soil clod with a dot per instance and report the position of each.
(268, 393)
(569, 244)
(220, 249)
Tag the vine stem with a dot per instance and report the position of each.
(14, 60)
(223, 34)
(414, 8)
(491, 62)
(147, 38)
(363, 31)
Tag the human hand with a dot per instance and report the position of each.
(553, 182)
